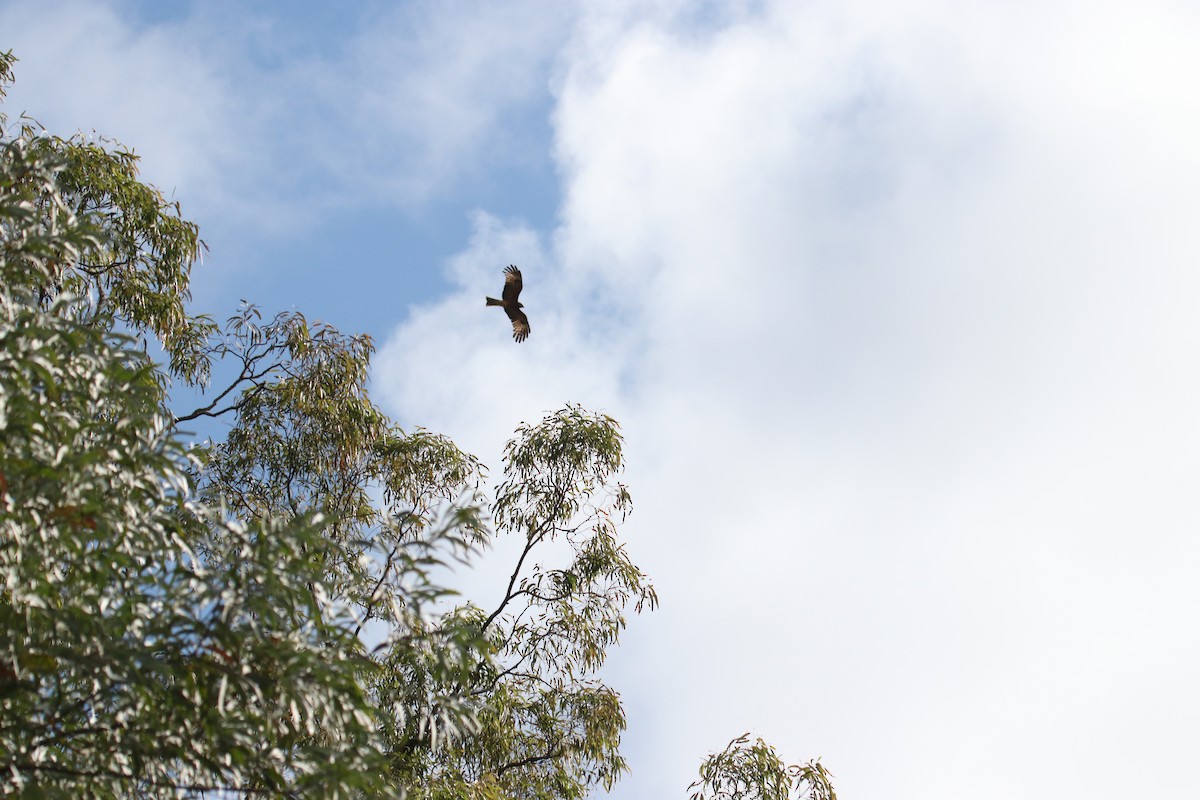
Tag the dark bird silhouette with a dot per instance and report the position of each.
(510, 304)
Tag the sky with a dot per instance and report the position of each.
(895, 301)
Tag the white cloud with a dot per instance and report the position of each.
(904, 347)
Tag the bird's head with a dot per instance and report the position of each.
(520, 304)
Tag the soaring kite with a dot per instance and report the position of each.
(512, 290)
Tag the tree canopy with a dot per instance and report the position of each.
(265, 614)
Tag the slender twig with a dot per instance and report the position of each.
(374, 598)
(524, 762)
(248, 373)
(535, 536)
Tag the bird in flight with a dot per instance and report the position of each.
(512, 290)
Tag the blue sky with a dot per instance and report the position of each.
(895, 302)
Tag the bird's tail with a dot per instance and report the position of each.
(491, 301)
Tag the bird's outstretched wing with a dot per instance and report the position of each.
(520, 322)
(512, 285)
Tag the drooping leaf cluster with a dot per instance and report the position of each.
(747, 770)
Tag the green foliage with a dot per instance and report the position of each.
(747, 770)
(128, 664)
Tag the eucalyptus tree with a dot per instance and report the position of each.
(129, 663)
